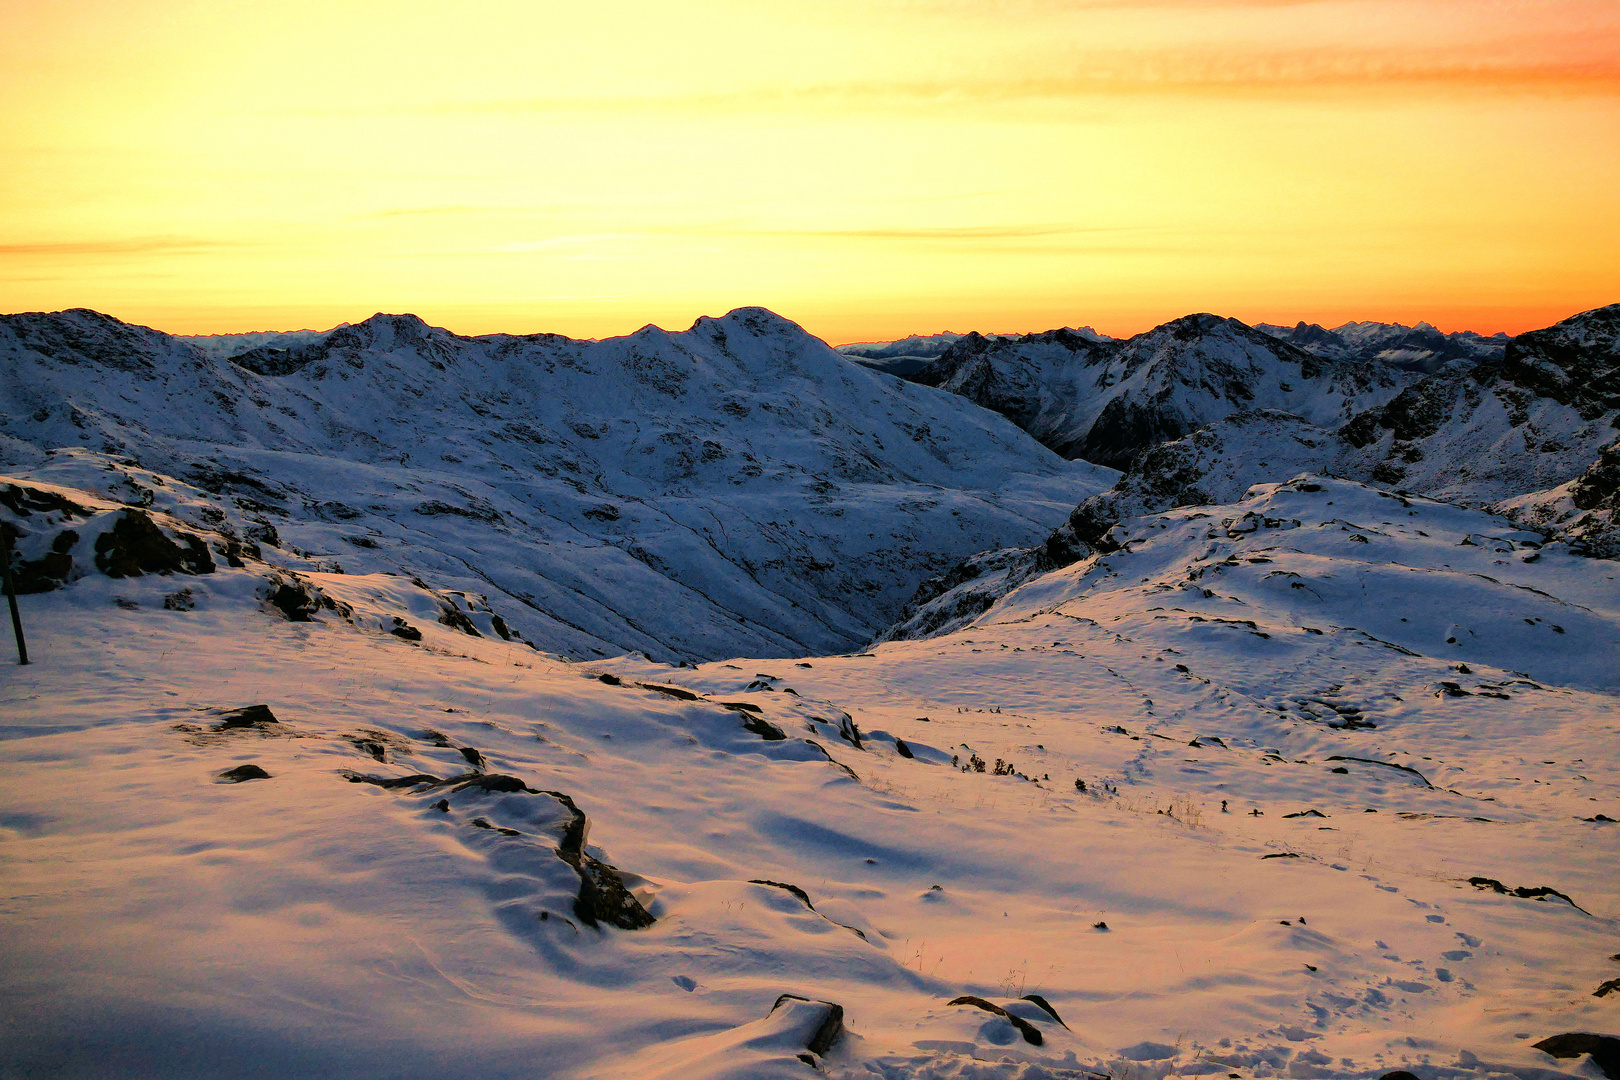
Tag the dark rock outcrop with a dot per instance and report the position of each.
(1575, 362)
(49, 571)
(825, 1033)
(1525, 892)
(603, 897)
(135, 545)
(1029, 1031)
(1605, 1049)
(248, 717)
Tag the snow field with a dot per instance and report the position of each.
(159, 920)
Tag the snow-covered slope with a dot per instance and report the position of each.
(1420, 348)
(1349, 768)
(736, 488)
(1107, 401)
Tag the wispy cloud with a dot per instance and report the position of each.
(1552, 64)
(948, 234)
(143, 245)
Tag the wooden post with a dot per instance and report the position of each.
(11, 598)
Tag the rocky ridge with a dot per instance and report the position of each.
(1107, 401)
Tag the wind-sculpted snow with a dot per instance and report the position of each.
(735, 488)
(1317, 783)
(1107, 401)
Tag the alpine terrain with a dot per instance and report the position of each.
(710, 705)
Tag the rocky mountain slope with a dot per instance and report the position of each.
(1420, 348)
(1107, 401)
(1533, 434)
(735, 488)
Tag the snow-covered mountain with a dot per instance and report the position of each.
(1421, 348)
(915, 345)
(1106, 401)
(224, 346)
(1472, 433)
(735, 488)
(1533, 434)
(1320, 784)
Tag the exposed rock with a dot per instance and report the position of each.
(671, 691)
(1605, 1050)
(294, 598)
(498, 783)
(1045, 1006)
(602, 895)
(135, 545)
(804, 898)
(404, 630)
(1575, 362)
(763, 728)
(248, 716)
(244, 772)
(393, 782)
(48, 572)
(1598, 488)
(1029, 1031)
(826, 1032)
(1386, 764)
(794, 889)
(27, 501)
(1538, 892)
(453, 617)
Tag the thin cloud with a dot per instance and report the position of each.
(968, 233)
(146, 245)
(1552, 65)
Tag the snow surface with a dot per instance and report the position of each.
(160, 921)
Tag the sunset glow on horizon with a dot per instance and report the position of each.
(868, 168)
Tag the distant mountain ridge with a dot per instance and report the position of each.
(223, 346)
(1420, 348)
(1106, 400)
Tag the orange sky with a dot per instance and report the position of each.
(870, 168)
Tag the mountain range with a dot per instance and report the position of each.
(735, 488)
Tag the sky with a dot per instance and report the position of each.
(868, 168)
